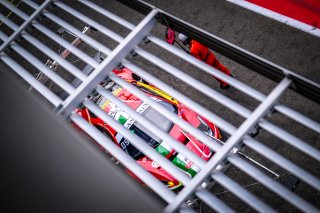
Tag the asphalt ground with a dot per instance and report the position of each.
(279, 43)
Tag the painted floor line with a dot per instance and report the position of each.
(278, 17)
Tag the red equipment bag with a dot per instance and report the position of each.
(170, 35)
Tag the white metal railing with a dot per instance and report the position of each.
(88, 82)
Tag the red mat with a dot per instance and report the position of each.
(306, 11)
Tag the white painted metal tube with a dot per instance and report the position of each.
(108, 14)
(211, 143)
(226, 126)
(178, 146)
(125, 159)
(87, 39)
(61, 61)
(139, 143)
(89, 21)
(214, 202)
(65, 44)
(290, 139)
(241, 193)
(43, 68)
(272, 185)
(43, 90)
(283, 162)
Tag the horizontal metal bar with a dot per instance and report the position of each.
(177, 73)
(210, 142)
(87, 39)
(139, 143)
(41, 67)
(226, 126)
(178, 146)
(272, 185)
(108, 14)
(315, 126)
(152, 182)
(174, 71)
(182, 76)
(64, 63)
(229, 105)
(209, 69)
(3, 36)
(186, 210)
(14, 9)
(220, 98)
(65, 44)
(31, 4)
(262, 66)
(86, 70)
(276, 175)
(116, 56)
(8, 22)
(77, 40)
(232, 142)
(90, 22)
(213, 202)
(43, 90)
(283, 162)
(25, 24)
(255, 162)
(227, 102)
(241, 193)
(290, 139)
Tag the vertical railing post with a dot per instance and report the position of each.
(235, 139)
(115, 57)
(27, 22)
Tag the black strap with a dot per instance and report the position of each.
(208, 53)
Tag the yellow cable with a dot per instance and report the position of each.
(11, 11)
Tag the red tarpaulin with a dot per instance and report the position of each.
(306, 11)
